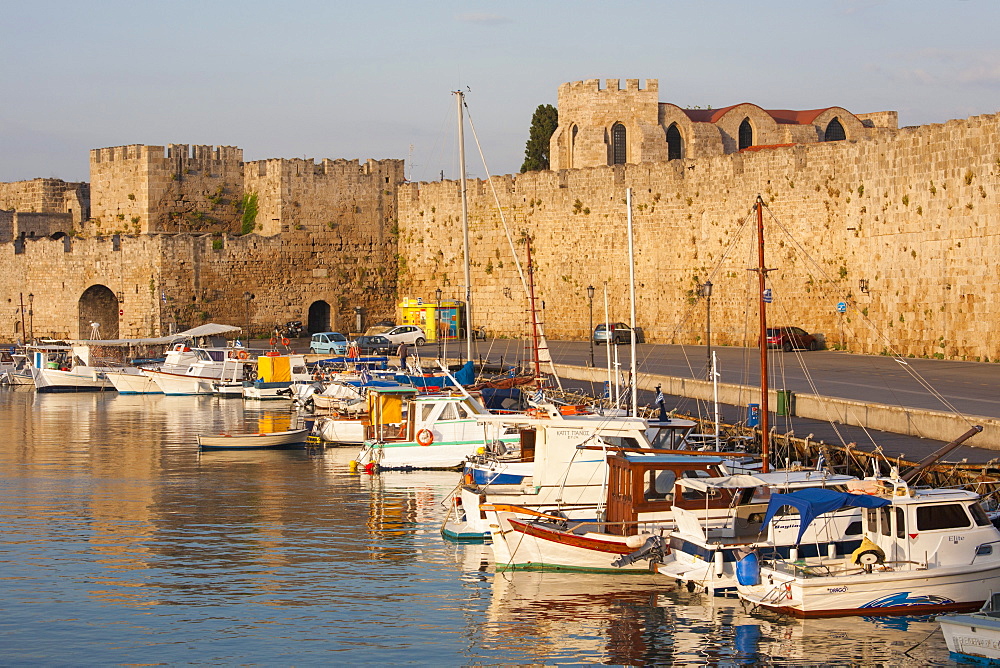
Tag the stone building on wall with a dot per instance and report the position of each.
(616, 126)
(41, 208)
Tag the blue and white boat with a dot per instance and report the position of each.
(923, 551)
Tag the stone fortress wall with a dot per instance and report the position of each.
(901, 221)
(165, 239)
(909, 215)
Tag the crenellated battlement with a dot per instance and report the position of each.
(611, 87)
(194, 152)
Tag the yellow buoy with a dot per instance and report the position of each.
(353, 466)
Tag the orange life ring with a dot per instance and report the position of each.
(285, 341)
(425, 437)
(273, 341)
(242, 354)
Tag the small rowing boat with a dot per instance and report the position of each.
(258, 441)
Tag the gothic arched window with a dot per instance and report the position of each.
(572, 146)
(675, 143)
(746, 134)
(619, 153)
(834, 131)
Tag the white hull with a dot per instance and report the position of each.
(347, 432)
(80, 378)
(182, 384)
(909, 591)
(132, 383)
(438, 455)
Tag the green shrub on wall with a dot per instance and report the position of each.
(248, 209)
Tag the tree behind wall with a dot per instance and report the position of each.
(536, 151)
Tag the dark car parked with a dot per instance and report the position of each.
(788, 338)
(616, 332)
(373, 344)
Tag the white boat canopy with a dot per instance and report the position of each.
(776, 479)
(208, 329)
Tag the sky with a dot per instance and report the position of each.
(375, 79)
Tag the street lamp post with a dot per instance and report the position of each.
(590, 300)
(706, 292)
(31, 317)
(437, 319)
(247, 296)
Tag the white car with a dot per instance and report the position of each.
(410, 334)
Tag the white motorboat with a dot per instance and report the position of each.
(924, 551)
(210, 366)
(974, 637)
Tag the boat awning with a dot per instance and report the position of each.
(813, 502)
(209, 329)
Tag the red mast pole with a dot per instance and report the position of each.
(534, 315)
(765, 444)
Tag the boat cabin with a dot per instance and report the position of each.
(639, 483)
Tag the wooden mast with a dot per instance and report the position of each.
(765, 445)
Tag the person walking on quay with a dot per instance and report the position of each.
(403, 352)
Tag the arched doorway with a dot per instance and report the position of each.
(98, 304)
(319, 317)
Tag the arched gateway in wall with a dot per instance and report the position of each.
(319, 317)
(98, 304)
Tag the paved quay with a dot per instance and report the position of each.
(970, 387)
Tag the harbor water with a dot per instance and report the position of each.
(121, 544)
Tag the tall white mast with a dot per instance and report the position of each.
(631, 291)
(460, 99)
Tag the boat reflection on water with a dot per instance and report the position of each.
(637, 620)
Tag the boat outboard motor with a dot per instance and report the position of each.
(652, 550)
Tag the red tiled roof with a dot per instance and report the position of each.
(782, 116)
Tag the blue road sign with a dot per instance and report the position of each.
(841, 307)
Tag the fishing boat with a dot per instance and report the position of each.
(78, 367)
(380, 412)
(974, 637)
(557, 466)
(257, 441)
(440, 432)
(275, 375)
(636, 514)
